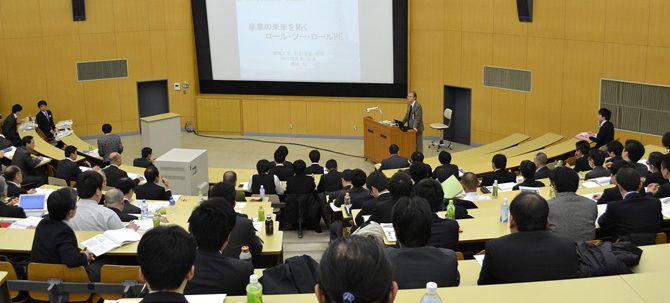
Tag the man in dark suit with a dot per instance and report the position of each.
(655, 170)
(635, 214)
(67, 169)
(541, 161)
(527, 169)
(500, 173)
(444, 231)
(4, 142)
(281, 169)
(378, 185)
(314, 168)
(230, 177)
(400, 186)
(353, 181)
(244, 233)
(597, 160)
(633, 151)
(24, 160)
(9, 209)
(445, 160)
(414, 118)
(151, 190)
(113, 172)
(581, 156)
(108, 143)
(545, 256)
(211, 224)
(10, 125)
(114, 201)
(606, 130)
(394, 161)
(612, 194)
(300, 183)
(415, 262)
(14, 178)
(45, 121)
(661, 190)
(268, 181)
(614, 151)
(127, 187)
(146, 159)
(332, 180)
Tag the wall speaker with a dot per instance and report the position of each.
(525, 10)
(78, 10)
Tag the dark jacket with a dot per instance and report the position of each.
(24, 160)
(330, 182)
(14, 191)
(314, 169)
(597, 172)
(502, 175)
(300, 184)
(55, 242)
(582, 164)
(635, 214)
(542, 173)
(444, 233)
(152, 191)
(164, 297)
(610, 195)
(370, 205)
(141, 162)
(68, 170)
(605, 134)
(452, 168)
(383, 211)
(217, 274)
(268, 182)
(11, 211)
(10, 130)
(663, 191)
(358, 196)
(243, 234)
(122, 215)
(528, 256)
(129, 208)
(528, 183)
(394, 161)
(113, 174)
(656, 177)
(413, 267)
(45, 123)
(282, 171)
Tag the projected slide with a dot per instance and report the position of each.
(346, 41)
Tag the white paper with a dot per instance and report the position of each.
(590, 184)
(480, 259)
(389, 232)
(503, 187)
(601, 210)
(366, 218)
(84, 168)
(530, 189)
(602, 181)
(9, 152)
(245, 186)
(665, 207)
(144, 225)
(110, 239)
(219, 298)
(240, 205)
(257, 225)
(333, 207)
(27, 222)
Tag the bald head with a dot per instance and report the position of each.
(114, 198)
(230, 177)
(115, 158)
(469, 182)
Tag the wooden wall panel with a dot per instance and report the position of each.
(478, 16)
(100, 18)
(180, 69)
(298, 123)
(131, 15)
(658, 61)
(65, 93)
(453, 14)
(98, 47)
(452, 58)
(274, 116)
(56, 18)
(582, 69)
(102, 97)
(627, 21)
(249, 116)
(625, 62)
(585, 19)
(427, 14)
(506, 19)
(25, 70)
(544, 102)
(156, 14)
(21, 19)
(4, 80)
(508, 111)
(477, 51)
(481, 110)
(510, 51)
(427, 80)
(323, 118)
(548, 19)
(231, 116)
(178, 14)
(659, 23)
(159, 55)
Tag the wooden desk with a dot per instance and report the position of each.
(532, 145)
(646, 285)
(378, 137)
(81, 146)
(650, 148)
(45, 148)
(486, 149)
(654, 259)
(4, 291)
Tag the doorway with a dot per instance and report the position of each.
(459, 99)
(152, 98)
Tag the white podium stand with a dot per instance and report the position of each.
(161, 132)
(185, 169)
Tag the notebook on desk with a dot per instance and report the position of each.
(33, 205)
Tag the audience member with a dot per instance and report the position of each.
(470, 184)
(113, 172)
(441, 174)
(414, 262)
(597, 161)
(300, 183)
(500, 173)
(270, 182)
(127, 187)
(45, 120)
(68, 169)
(10, 208)
(400, 186)
(419, 171)
(614, 151)
(378, 185)
(314, 168)
(357, 193)
(108, 143)
(28, 165)
(395, 160)
(528, 169)
(10, 125)
(655, 176)
(613, 194)
(571, 215)
(332, 180)
(418, 157)
(282, 168)
(151, 190)
(666, 140)
(444, 231)
(166, 256)
(114, 201)
(14, 178)
(445, 159)
(662, 191)
(541, 161)
(545, 255)
(581, 156)
(230, 177)
(605, 129)
(633, 151)
(283, 150)
(146, 160)
(211, 224)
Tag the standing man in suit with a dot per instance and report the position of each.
(545, 255)
(414, 118)
(45, 121)
(395, 160)
(67, 169)
(10, 125)
(606, 128)
(146, 159)
(151, 190)
(500, 172)
(108, 143)
(14, 179)
(24, 160)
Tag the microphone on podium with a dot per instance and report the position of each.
(369, 109)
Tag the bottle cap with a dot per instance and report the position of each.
(431, 287)
(268, 216)
(245, 248)
(253, 279)
(260, 207)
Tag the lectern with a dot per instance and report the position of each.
(161, 132)
(378, 137)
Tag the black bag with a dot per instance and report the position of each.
(607, 258)
(297, 275)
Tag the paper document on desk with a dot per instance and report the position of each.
(602, 208)
(590, 184)
(602, 181)
(257, 225)
(389, 232)
(46, 192)
(144, 224)
(665, 207)
(9, 152)
(244, 186)
(239, 205)
(27, 222)
(503, 187)
(219, 298)
(45, 160)
(111, 239)
(451, 187)
(479, 259)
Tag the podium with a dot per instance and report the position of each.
(161, 132)
(186, 169)
(378, 137)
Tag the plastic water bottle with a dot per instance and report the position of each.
(200, 196)
(431, 295)
(504, 211)
(261, 192)
(245, 255)
(451, 210)
(145, 209)
(172, 207)
(347, 203)
(494, 192)
(254, 290)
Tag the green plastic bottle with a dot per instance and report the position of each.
(451, 210)
(254, 290)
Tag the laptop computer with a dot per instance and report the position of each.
(33, 205)
(401, 125)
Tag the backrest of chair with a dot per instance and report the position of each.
(44, 272)
(459, 256)
(447, 113)
(57, 181)
(119, 274)
(11, 275)
(661, 238)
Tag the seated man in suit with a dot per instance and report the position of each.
(161, 246)
(656, 174)
(300, 183)
(500, 172)
(417, 157)
(54, 241)
(400, 186)
(230, 177)
(545, 255)
(570, 215)
(419, 171)
(661, 191)
(378, 185)
(354, 186)
(45, 121)
(151, 190)
(90, 215)
(14, 178)
(108, 143)
(415, 263)
(605, 130)
(441, 174)
(612, 194)
(25, 161)
(394, 161)
(114, 201)
(444, 231)
(4, 143)
(282, 168)
(445, 160)
(11, 208)
(597, 162)
(314, 168)
(127, 187)
(67, 169)
(10, 126)
(527, 169)
(211, 224)
(633, 151)
(113, 172)
(581, 154)
(541, 161)
(635, 214)
(282, 149)
(332, 180)
(270, 182)
(243, 234)
(146, 160)
(614, 151)
(470, 184)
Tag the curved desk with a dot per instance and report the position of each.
(44, 148)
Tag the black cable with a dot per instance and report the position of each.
(280, 143)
